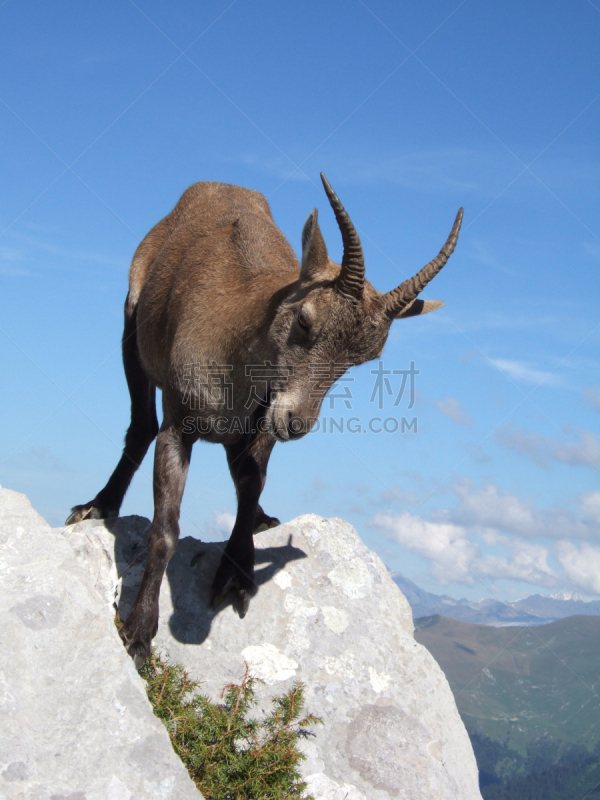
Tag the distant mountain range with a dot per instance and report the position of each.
(536, 609)
(528, 697)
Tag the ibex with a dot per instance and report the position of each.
(216, 286)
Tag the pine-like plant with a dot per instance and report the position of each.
(228, 755)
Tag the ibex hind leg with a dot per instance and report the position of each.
(171, 462)
(140, 434)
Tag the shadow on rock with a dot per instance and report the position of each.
(190, 574)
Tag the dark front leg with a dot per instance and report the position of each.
(140, 435)
(248, 465)
(171, 462)
(236, 455)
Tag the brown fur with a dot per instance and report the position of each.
(216, 283)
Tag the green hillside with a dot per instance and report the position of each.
(530, 699)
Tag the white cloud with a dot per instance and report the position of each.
(528, 562)
(522, 372)
(515, 321)
(479, 455)
(403, 496)
(9, 263)
(219, 527)
(581, 564)
(445, 545)
(436, 171)
(591, 395)
(11, 254)
(589, 504)
(493, 535)
(317, 489)
(592, 250)
(27, 245)
(482, 253)
(279, 167)
(490, 508)
(451, 408)
(584, 451)
(455, 558)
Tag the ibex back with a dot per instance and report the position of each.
(216, 299)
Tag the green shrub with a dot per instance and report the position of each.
(228, 755)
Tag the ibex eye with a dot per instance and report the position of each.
(303, 320)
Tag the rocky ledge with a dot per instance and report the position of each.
(76, 723)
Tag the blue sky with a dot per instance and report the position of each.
(109, 111)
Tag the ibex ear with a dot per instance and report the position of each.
(419, 307)
(314, 251)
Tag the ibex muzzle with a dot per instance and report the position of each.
(244, 343)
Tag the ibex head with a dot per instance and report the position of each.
(334, 318)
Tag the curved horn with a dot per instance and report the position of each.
(351, 279)
(399, 298)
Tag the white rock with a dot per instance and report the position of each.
(74, 718)
(328, 614)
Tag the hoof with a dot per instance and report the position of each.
(242, 602)
(232, 577)
(91, 510)
(138, 661)
(235, 573)
(241, 597)
(138, 648)
(137, 633)
(265, 523)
